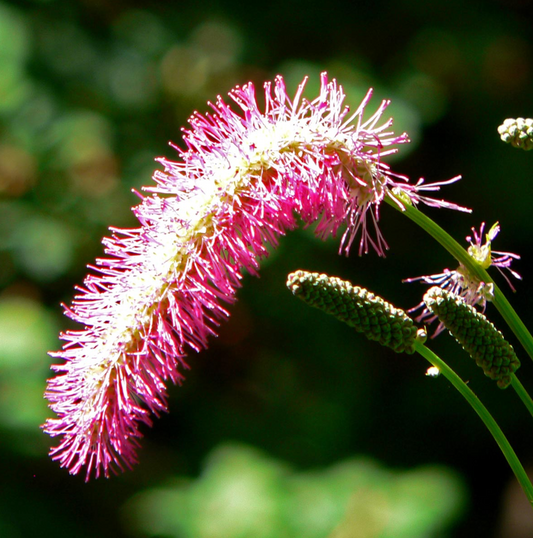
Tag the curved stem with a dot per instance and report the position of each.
(522, 393)
(461, 255)
(485, 416)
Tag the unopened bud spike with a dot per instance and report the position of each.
(367, 313)
(476, 334)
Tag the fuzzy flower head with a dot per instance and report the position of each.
(462, 283)
(240, 183)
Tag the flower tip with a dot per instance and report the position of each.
(518, 132)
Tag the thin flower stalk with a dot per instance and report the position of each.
(484, 415)
(241, 183)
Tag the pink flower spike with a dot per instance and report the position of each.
(460, 282)
(239, 183)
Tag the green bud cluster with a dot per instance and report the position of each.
(365, 312)
(476, 334)
(517, 132)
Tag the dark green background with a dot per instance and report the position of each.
(92, 91)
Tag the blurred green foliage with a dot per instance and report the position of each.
(241, 492)
(90, 94)
(26, 329)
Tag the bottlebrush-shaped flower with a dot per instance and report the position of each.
(240, 184)
(462, 283)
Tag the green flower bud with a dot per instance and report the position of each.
(365, 312)
(517, 132)
(476, 334)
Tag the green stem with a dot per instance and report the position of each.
(485, 416)
(522, 393)
(462, 256)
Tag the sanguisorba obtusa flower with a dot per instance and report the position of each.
(241, 182)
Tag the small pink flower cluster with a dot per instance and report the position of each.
(240, 184)
(462, 283)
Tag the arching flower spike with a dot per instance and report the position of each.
(241, 182)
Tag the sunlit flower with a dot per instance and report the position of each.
(517, 132)
(241, 183)
(462, 283)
